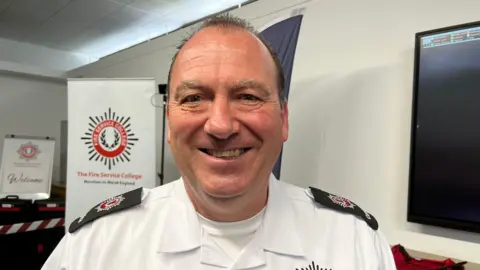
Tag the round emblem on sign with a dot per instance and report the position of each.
(28, 151)
(341, 201)
(110, 203)
(110, 138)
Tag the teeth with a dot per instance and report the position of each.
(226, 154)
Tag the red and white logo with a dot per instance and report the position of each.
(28, 151)
(341, 201)
(109, 138)
(110, 203)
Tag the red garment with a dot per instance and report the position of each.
(404, 261)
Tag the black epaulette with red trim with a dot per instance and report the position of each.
(108, 206)
(343, 205)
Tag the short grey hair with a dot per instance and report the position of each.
(228, 21)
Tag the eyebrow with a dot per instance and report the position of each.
(188, 85)
(251, 84)
(235, 87)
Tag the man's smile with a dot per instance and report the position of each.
(225, 154)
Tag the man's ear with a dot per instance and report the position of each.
(284, 116)
(167, 115)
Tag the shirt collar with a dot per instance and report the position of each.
(181, 229)
(279, 232)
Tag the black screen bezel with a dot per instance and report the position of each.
(416, 218)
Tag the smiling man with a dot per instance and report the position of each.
(227, 120)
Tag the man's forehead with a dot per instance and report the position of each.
(221, 38)
(208, 48)
(234, 44)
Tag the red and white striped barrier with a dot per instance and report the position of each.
(31, 226)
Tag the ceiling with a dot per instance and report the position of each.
(99, 27)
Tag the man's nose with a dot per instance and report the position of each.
(221, 122)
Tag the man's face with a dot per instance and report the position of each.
(226, 125)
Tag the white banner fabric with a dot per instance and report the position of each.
(111, 141)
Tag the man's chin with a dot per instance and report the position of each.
(224, 190)
(224, 186)
(223, 194)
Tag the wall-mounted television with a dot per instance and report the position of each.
(444, 182)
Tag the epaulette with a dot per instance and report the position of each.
(343, 205)
(108, 206)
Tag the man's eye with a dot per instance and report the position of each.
(191, 99)
(249, 97)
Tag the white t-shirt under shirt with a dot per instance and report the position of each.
(232, 237)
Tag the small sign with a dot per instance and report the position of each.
(26, 168)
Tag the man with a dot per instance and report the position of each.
(227, 120)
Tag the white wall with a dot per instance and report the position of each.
(32, 106)
(350, 102)
(28, 70)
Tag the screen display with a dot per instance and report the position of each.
(445, 159)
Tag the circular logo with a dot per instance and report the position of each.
(110, 203)
(109, 138)
(28, 151)
(341, 201)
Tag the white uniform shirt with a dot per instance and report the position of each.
(163, 233)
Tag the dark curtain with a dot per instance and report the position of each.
(283, 38)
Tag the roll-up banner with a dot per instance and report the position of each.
(111, 142)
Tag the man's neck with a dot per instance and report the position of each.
(229, 209)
